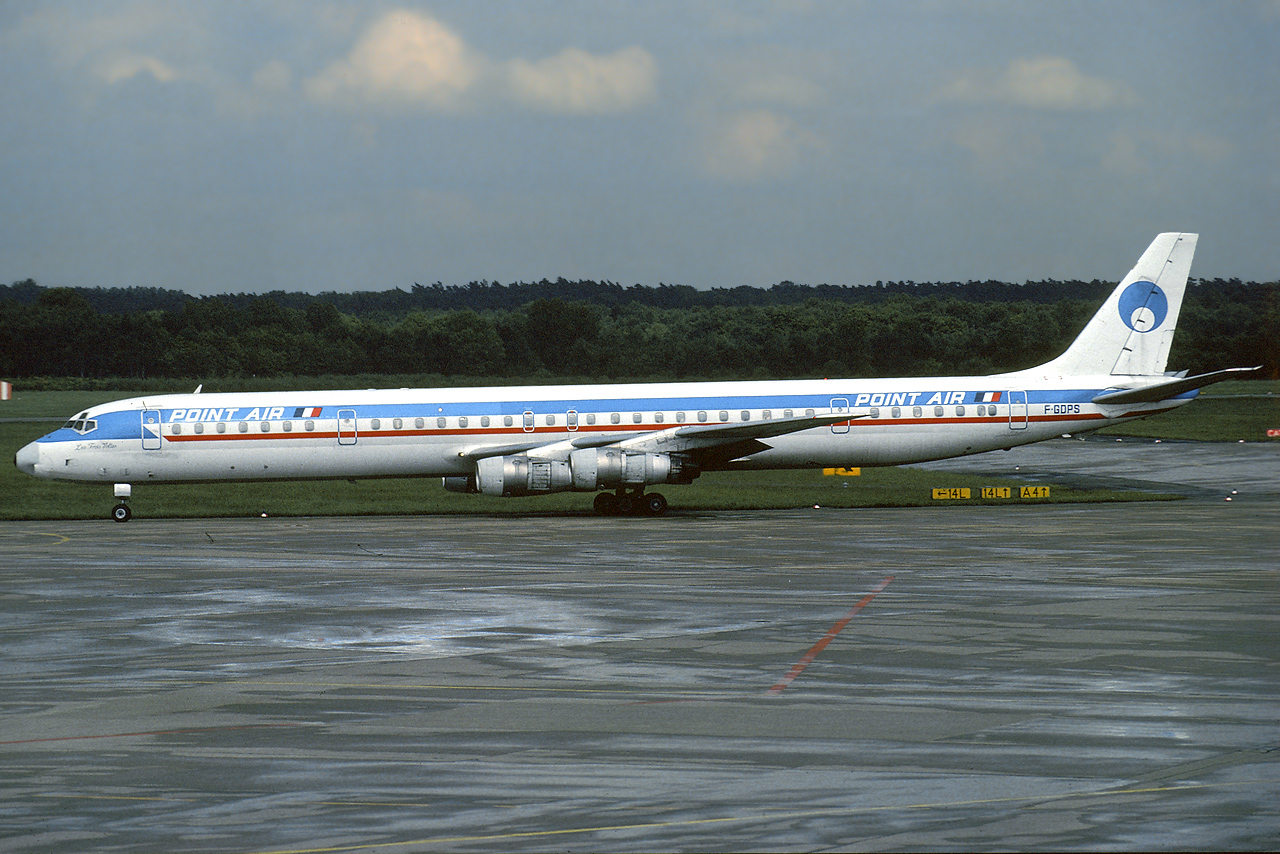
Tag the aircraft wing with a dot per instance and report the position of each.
(1172, 388)
(676, 439)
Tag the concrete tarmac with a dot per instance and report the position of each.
(981, 678)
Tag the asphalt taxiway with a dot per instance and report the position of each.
(983, 678)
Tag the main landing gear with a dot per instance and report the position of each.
(637, 503)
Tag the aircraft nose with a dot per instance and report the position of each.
(27, 457)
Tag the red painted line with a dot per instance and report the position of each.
(818, 647)
(153, 732)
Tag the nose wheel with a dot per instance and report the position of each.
(121, 512)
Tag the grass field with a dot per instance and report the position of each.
(1227, 413)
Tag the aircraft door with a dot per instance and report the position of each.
(840, 406)
(150, 429)
(1017, 410)
(346, 426)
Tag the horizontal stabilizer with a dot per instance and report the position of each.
(1173, 388)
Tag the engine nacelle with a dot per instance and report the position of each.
(465, 484)
(611, 468)
(522, 475)
(588, 470)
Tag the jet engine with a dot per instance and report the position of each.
(587, 470)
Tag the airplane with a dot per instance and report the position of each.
(617, 440)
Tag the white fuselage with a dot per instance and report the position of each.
(432, 432)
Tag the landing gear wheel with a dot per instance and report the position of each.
(606, 504)
(121, 513)
(655, 504)
(627, 504)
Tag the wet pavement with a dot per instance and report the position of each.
(1056, 677)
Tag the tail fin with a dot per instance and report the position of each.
(1132, 332)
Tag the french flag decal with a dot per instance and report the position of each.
(989, 397)
(307, 411)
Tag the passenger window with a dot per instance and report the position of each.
(222, 426)
(702, 415)
(419, 423)
(896, 412)
(724, 415)
(916, 412)
(288, 426)
(177, 428)
(875, 412)
(636, 418)
(462, 422)
(982, 410)
(551, 421)
(937, 411)
(591, 418)
(484, 420)
(440, 422)
(767, 414)
(397, 423)
(244, 427)
(746, 415)
(266, 427)
(658, 417)
(507, 420)
(199, 427)
(375, 424)
(787, 413)
(311, 425)
(616, 418)
(959, 411)
(679, 417)
(809, 412)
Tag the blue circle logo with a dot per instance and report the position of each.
(1143, 306)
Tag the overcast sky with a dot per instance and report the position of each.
(250, 146)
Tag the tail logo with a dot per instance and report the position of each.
(1143, 306)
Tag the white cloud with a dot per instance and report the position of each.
(410, 60)
(118, 67)
(1039, 83)
(757, 145)
(574, 81)
(1133, 153)
(404, 58)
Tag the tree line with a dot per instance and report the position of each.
(600, 331)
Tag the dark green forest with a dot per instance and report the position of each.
(599, 330)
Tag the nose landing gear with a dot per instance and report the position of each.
(121, 512)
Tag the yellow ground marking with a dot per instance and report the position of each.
(62, 538)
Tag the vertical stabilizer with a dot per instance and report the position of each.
(1132, 332)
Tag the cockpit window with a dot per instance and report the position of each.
(81, 424)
